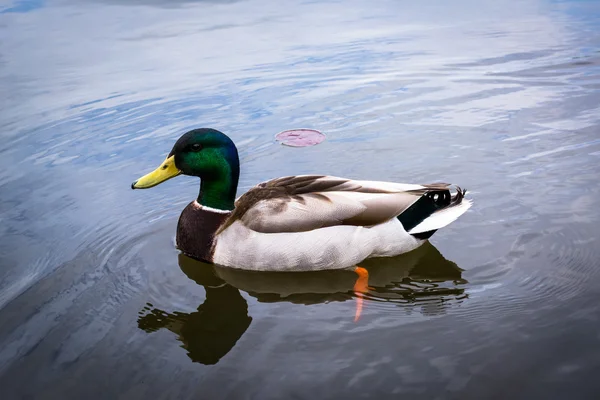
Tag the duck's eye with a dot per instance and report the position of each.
(196, 147)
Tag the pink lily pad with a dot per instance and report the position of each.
(300, 137)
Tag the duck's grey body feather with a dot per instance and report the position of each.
(322, 222)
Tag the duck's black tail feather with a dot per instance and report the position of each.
(432, 202)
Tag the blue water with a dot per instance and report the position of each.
(501, 97)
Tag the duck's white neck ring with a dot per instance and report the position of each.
(214, 210)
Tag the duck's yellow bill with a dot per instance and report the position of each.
(167, 170)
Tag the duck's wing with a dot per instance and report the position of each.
(307, 202)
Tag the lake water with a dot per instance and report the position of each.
(501, 97)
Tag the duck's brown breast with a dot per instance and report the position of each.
(196, 231)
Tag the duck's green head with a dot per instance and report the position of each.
(205, 153)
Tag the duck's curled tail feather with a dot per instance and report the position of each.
(457, 206)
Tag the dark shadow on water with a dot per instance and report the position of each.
(212, 331)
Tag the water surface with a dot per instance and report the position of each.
(500, 97)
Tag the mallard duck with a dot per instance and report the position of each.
(296, 223)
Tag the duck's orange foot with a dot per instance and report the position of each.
(360, 286)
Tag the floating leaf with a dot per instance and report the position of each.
(300, 137)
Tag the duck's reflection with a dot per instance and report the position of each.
(211, 332)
